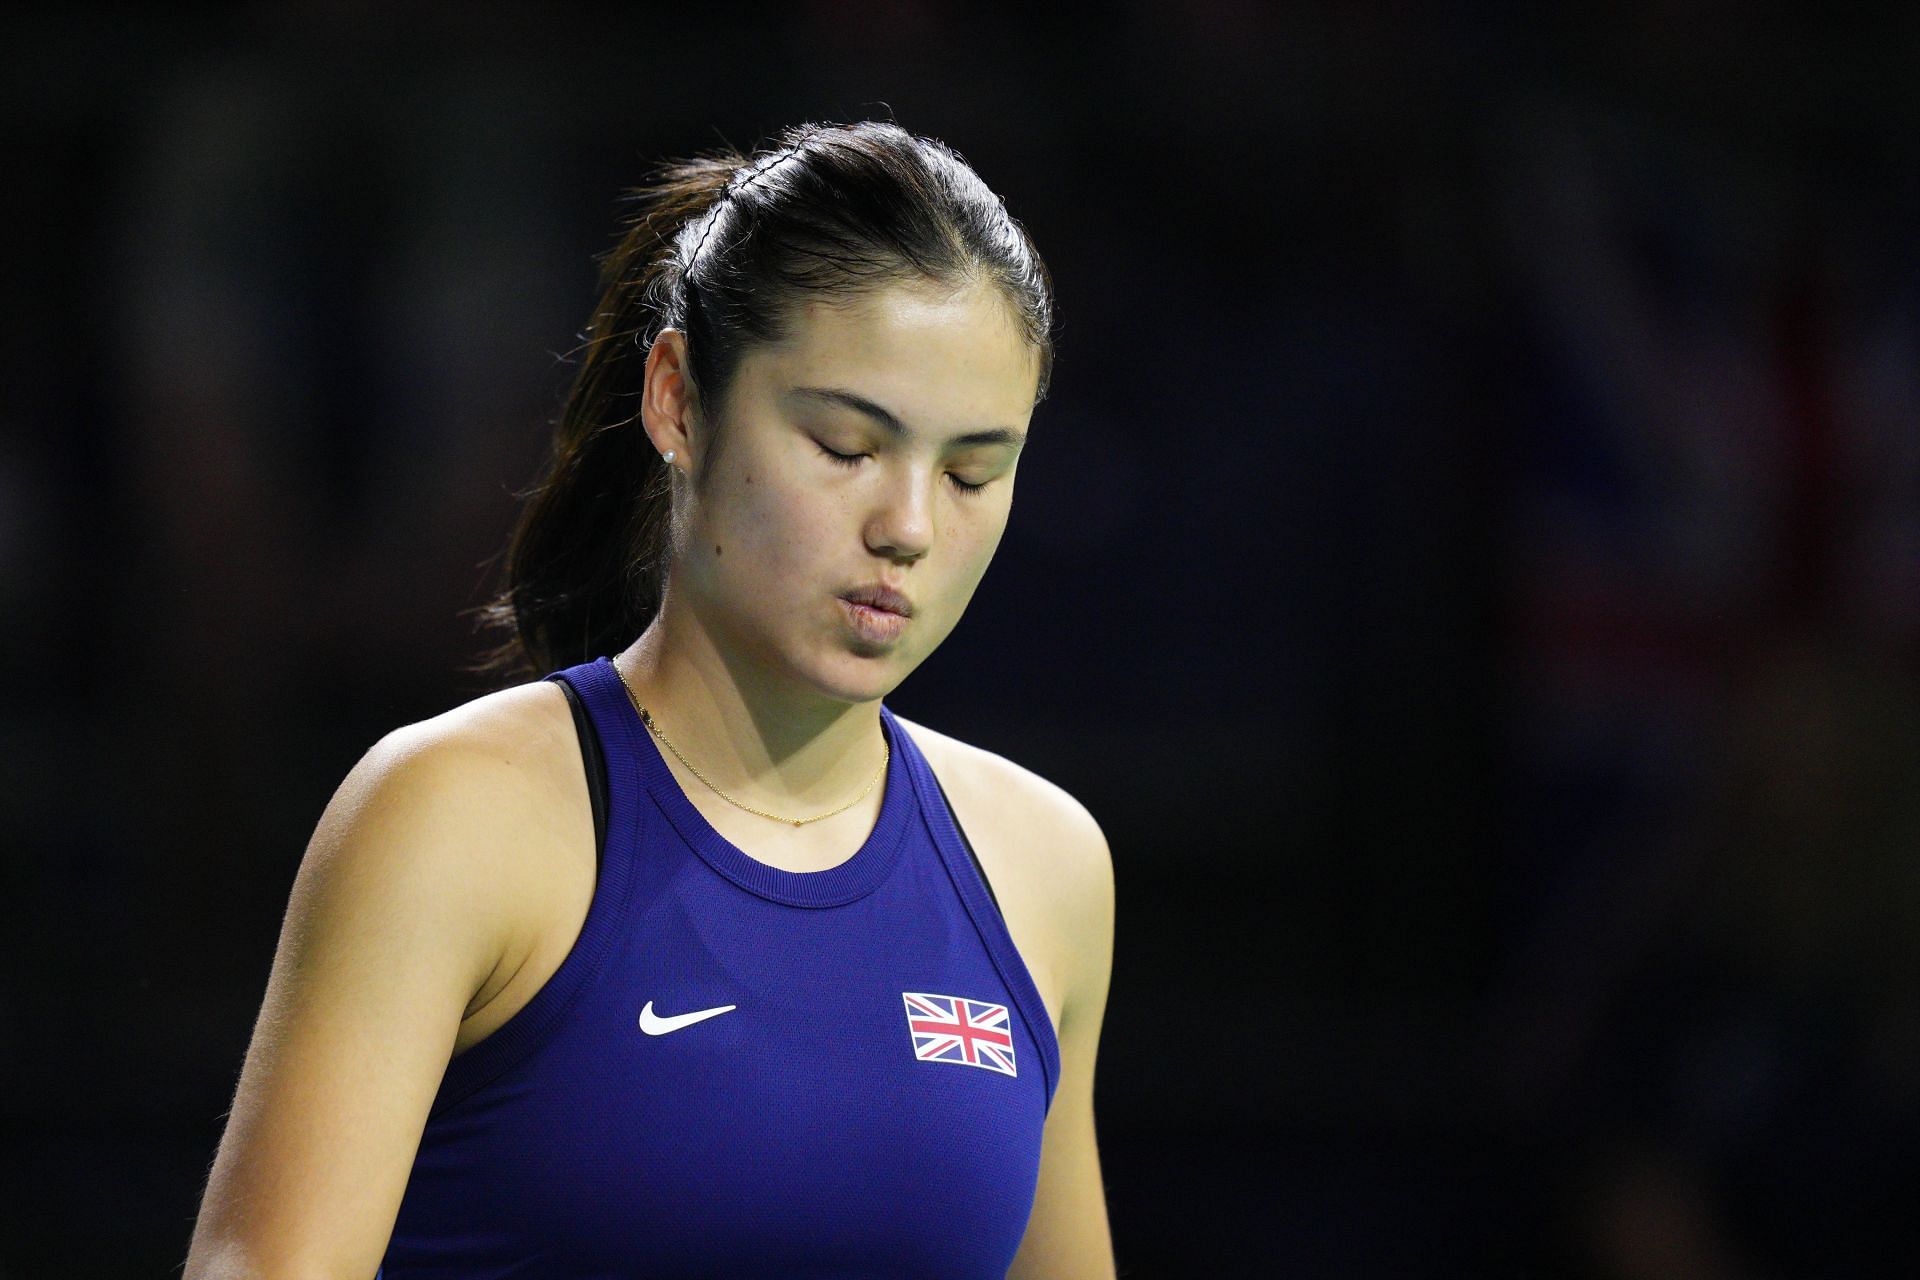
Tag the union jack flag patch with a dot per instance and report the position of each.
(972, 1033)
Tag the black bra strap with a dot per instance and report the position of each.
(968, 843)
(596, 768)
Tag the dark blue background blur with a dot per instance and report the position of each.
(1469, 562)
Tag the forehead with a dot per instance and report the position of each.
(938, 359)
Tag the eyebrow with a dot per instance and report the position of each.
(887, 419)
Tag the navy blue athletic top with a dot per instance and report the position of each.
(744, 1071)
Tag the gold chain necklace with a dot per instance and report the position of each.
(646, 718)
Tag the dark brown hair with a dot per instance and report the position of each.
(723, 247)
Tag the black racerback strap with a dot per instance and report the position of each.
(596, 768)
(963, 839)
(596, 764)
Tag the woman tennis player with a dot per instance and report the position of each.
(689, 958)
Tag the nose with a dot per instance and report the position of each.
(901, 524)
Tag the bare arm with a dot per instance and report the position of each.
(1068, 1236)
(397, 917)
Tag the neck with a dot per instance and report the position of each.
(755, 736)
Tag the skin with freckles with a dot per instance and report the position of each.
(755, 666)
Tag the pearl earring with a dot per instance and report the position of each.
(667, 457)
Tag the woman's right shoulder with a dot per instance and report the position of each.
(505, 767)
(521, 734)
(485, 795)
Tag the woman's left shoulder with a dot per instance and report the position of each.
(1040, 815)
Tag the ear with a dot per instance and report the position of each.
(669, 409)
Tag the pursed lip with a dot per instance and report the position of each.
(878, 595)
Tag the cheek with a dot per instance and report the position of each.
(970, 549)
(976, 563)
(984, 531)
(772, 534)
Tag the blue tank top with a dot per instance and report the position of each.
(743, 1071)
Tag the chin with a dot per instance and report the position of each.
(857, 677)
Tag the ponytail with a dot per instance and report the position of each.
(586, 560)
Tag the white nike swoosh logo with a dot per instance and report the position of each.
(655, 1025)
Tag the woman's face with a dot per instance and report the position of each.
(928, 397)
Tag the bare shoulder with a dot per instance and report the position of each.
(1054, 816)
(488, 760)
(525, 730)
(504, 772)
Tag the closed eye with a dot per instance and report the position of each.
(853, 460)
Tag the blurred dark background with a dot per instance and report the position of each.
(1469, 563)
